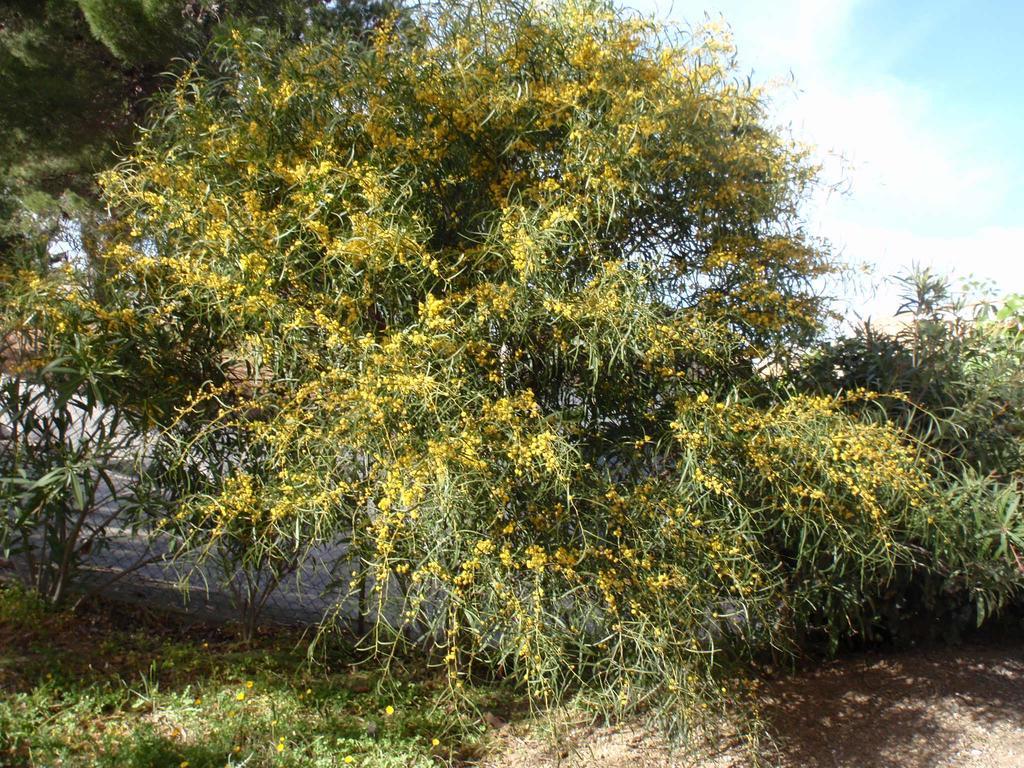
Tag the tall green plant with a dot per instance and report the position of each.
(959, 370)
(68, 453)
(953, 373)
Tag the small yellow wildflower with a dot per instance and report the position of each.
(435, 742)
(389, 710)
(249, 684)
(240, 696)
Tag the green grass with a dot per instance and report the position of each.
(113, 686)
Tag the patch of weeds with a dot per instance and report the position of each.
(99, 689)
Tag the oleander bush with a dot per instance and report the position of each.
(954, 370)
(66, 448)
(958, 361)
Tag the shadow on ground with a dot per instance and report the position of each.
(917, 709)
(921, 708)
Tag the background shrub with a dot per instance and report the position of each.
(955, 369)
(67, 450)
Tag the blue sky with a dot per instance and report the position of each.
(916, 109)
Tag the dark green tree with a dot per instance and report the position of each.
(76, 76)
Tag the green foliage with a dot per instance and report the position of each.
(152, 32)
(138, 31)
(117, 689)
(483, 297)
(962, 376)
(195, 466)
(63, 442)
(983, 547)
(76, 76)
(958, 375)
(66, 99)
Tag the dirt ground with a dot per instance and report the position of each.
(935, 708)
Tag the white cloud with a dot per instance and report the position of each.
(919, 189)
(990, 254)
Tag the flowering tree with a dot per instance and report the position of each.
(484, 297)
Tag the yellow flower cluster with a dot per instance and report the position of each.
(447, 290)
